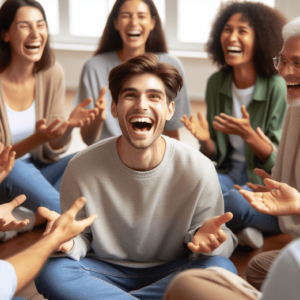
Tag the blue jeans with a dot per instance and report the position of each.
(237, 175)
(246, 216)
(67, 279)
(39, 182)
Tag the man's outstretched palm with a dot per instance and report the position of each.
(210, 235)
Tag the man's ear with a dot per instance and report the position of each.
(113, 109)
(171, 110)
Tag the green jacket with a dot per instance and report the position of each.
(266, 110)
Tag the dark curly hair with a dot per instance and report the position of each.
(267, 23)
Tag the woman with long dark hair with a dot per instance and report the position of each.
(132, 28)
(32, 107)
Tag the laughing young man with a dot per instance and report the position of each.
(158, 200)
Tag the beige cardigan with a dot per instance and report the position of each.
(287, 165)
(49, 104)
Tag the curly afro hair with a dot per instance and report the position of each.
(267, 23)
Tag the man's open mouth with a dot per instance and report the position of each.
(292, 85)
(141, 125)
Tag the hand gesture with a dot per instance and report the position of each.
(258, 187)
(261, 134)
(81, 116)
(199, 128)
(64, 226)
(210, 235)
(7, 220)
(282, 200)
(46, 133)
(101, 104)
(7, 161)
(230, 125)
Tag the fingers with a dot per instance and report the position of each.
(262, 173)
(18, 201)
(272, 184)
(244, 112)
(53, 124)
(200, 117)
(237, 187)
(5, 153)
(223, 219)
(76, 207)
(201, 248)
(21, 224)
(47, 213)
(88, 221)
(101, 94)
(41, 122)
(257, 187)
(85, 103)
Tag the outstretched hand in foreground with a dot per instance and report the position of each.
(281, 200)
(210, 235)
(64, 227)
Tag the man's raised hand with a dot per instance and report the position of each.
(210, 235)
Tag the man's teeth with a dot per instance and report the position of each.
(291, 84)
(142, 120)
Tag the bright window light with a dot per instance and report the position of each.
(52, 14)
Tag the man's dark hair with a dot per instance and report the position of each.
(146, 63)
(267, 23)
(111, 39)
(7, 14)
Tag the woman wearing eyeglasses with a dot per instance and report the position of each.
(245, 98)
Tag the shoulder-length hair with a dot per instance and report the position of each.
(111, 39)
(7, 14)
(267, 23)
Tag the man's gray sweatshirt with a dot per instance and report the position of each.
(144, 218)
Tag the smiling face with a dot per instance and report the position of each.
(27, 34)
(142, 110)
(291, 74)
(134, 24)
(237, 40)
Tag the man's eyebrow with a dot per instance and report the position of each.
(128, 89)
(155, 91)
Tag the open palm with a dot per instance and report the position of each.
(199, 128)
(282, 200)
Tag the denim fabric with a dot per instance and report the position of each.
(246, 216)
(67, 279)
(18, 298)
(237, 175)
(39, 182)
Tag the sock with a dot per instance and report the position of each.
(251, 237)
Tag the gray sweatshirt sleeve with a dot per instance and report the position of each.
(69, 192)
(210, 204)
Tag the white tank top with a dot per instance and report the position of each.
(21, 124)
(240, 97)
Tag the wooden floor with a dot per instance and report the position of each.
(240, 257)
